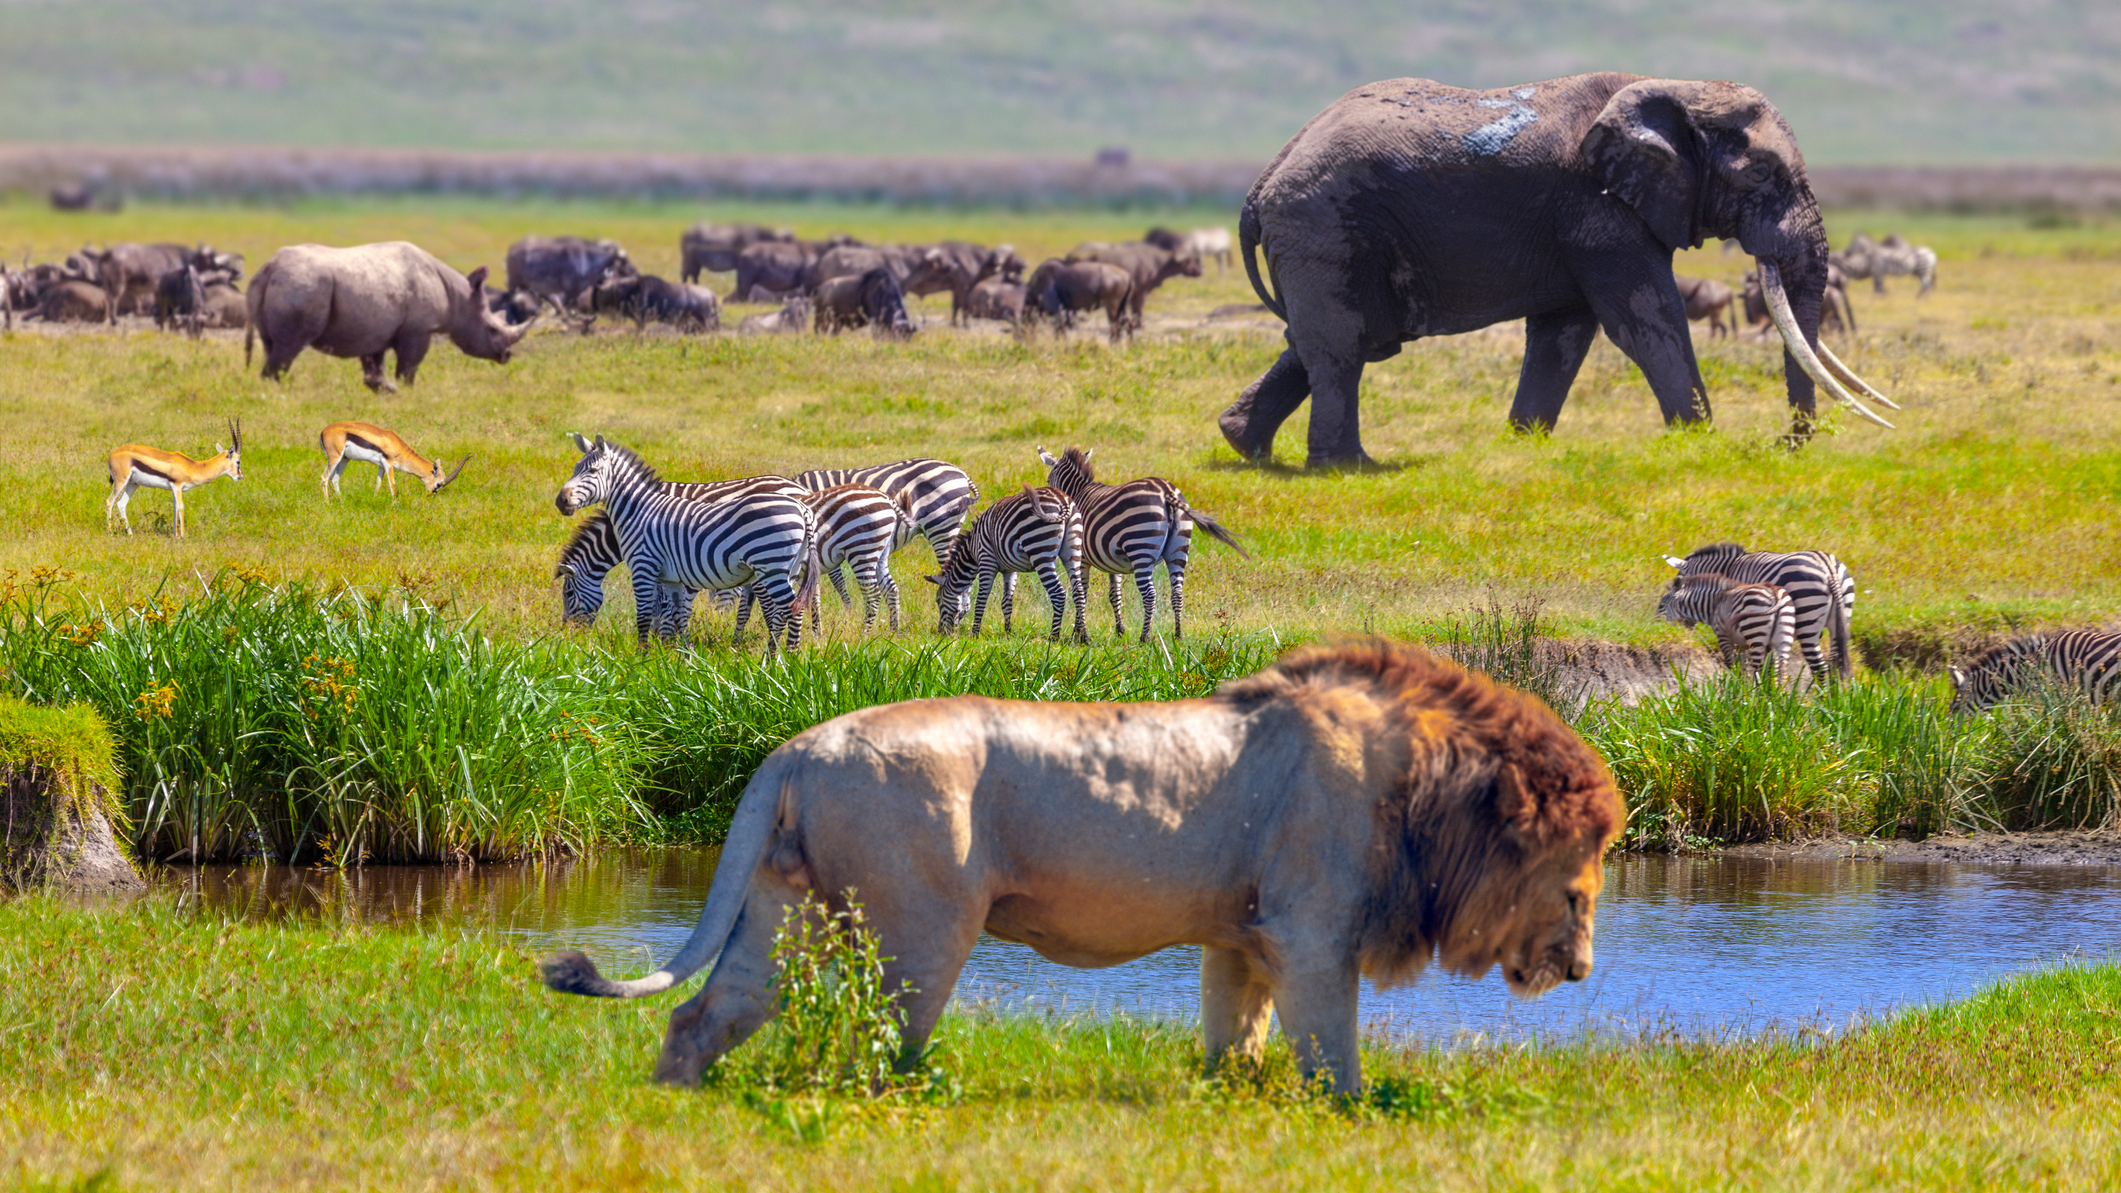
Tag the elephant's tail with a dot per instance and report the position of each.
(767, 801)
(1248, 243)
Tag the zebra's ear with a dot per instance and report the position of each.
(1087, 453)
(936, 580)
(580, 444)
(1045, 457)
(1674, 560)
(1958, 680)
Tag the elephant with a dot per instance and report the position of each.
(1410, 209)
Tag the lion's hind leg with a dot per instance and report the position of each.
(1236, 1006)
(739, 995)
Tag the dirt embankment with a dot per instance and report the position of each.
(2070, 847)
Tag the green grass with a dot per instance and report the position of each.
(1994, 503)
(158, 1049)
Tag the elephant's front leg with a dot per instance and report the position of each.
(1258, 413)
(1555, 344)
(1646, 319)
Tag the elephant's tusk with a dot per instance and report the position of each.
(1848, 375)
(1800, 349)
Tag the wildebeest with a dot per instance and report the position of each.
(1199, 244)
(561, 269)
(225, 306)
(1707, 298)
(793, 317)
(363, 301)
(771, 270)
(1058, 289)
(180, 300)
(514, 306)
(1147, 265)
(131, 272)
(872, 300)
(854, 260)
(713, 248)
(1835, 313)
(955, 267)
(644, 298)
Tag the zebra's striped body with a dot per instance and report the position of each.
(673, 543)
(1821, 588)
(940, 492)
(1037, 530)
(1753, 622)
(2088, 659)
(594, 550)
(1129, 529)
(857, 526)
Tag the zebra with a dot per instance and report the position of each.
(2090, 659)
(942, 495)
(1130, 528)
(1759, 619)
(672, 543)
(1823, 589)
(857, 526)
(594, 550)
(1037, 530)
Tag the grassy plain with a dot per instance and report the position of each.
(149, 1048)
(1993, 504)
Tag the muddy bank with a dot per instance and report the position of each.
(1607, 670)
(2068, 847)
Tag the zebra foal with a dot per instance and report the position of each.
(1753, 622)
(672, 544)
(939, 493)
(2085, 659)
(1822, 589)
(1129, 529)
(1037, 530)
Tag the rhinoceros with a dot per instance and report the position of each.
(362, 301)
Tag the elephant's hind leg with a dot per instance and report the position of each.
(1555, 344)
(1258, 413)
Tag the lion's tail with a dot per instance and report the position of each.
(750, 832)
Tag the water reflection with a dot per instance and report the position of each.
(1708, 943)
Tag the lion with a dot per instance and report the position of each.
(1349, 810)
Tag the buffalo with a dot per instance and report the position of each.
(956, 267)
(74, 301)
(361, 302)
(771, 270)
(1058, 289)
(1147, 265)
(872, 300)
(561, 269)
(180, 300)
(713, 248)
(997, 299)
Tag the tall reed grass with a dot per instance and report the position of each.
(256, 719)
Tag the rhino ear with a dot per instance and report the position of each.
(1645, 150)
(477, 279)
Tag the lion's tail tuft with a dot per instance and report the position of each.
(570, 971)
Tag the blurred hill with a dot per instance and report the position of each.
(1884, 82)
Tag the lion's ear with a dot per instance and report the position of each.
(1514, 803)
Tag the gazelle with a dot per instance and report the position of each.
(347, 442)
(134, 465)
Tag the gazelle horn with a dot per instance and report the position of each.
(1800, 349)
(452, 476)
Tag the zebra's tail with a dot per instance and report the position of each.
(813, 570)
(1837, 631)
(1211, 526)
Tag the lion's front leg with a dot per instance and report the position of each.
(1236, 1006)
(1318, 1013)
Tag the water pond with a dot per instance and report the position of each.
(1697, 944)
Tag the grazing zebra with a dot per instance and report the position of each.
(1824, 592)
(857, 526)
(1037, 530)
(2090, 659)
(1759, 619)
(942, 495)
(671, 543)
(1130, 528)
(594, 549)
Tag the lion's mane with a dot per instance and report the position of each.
(1483, 778)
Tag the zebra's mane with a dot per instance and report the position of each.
(629, 462)
(1075, 456)
(1714, 550)
(578, 542)
(2015, 650)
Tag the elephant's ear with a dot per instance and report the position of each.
(1644, 148)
